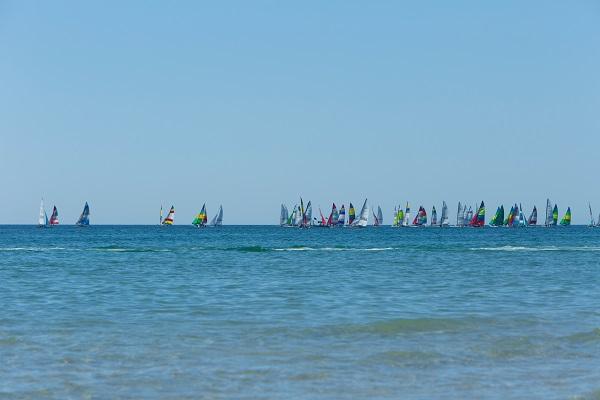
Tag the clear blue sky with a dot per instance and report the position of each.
(132, 104)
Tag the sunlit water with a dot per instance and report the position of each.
(269, 312)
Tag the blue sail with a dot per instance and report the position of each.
(84, 218)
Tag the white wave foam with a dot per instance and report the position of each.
(532, 249)
(31, 248)
(333, 249)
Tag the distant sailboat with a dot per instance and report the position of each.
(54, 217)
(522, 220)
(307, 219)
(363, 219)
(333, 216)
(201, 218)
(283, 216)
(555, 215)
(468, 216)
(342, 216)
(459, 217)
(218, 218)
(160, 219)
(170, 217)
(43, 217)
(378, 217)
(420, 218)
(406, 221)
(533, 217)
(351, 215)
(444, 220)
(549, 219)
(84, 218)
(433, 216)
(478, 220)
(592, 222)
(566, 220)
(498, 218)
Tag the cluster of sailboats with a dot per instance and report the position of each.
(200, 220)
(466, 216)
(44, 221)
(301, 216)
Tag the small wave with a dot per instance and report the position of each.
(592, 336)
(532, 249)
(118, 249)
(38, 249)
(333, 249)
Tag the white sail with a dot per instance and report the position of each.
(406, 221)
(363, 220)
(444, 218)
(308, 213)
(298, 216)
(379, 215)
(283, 217)
(459, 220)
(218, 218)
(522, 219)
(43, 218)
(548, 221)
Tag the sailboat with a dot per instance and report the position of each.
(342, 216)
(201, 218)
(510, 217)
(522, 220)
(459, 217)
(478, 219)
(406, 221)
(498, 218)
(218, 218)
(378, 217)
(297, 216)
(43, 217)
(468, 216)
(550, 214)
(323, 222)
(533, 217)
(444, 219)
(283, 216)
(555, 215)
(592, 222)
(433, 216)
(84, 218)
(333, 216)
(351, 215)
(420, 218)
(170, 217)
(307, 219)
(54, 217)
(398, 216)
(363, 218)
(566, 220)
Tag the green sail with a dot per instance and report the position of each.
(566, 220)
(555, 215)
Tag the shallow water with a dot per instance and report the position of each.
(267, 312)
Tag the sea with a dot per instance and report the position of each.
(263, 312)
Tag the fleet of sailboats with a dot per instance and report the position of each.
(301, 216)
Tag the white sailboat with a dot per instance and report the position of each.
(363, 219)
(218, 218)
(592, 222)
(444, 218)
(378, 217)
(43, 217)
(283, 216)
(406, 221)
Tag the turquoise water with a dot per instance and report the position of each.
(268, 312)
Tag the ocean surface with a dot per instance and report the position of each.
(263, 312)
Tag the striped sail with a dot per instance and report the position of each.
(351, 214)
(333, 216)
(522, 220)
(555, 215)
(566, 220)
(342, 216)
(170, 217)
(201, 217)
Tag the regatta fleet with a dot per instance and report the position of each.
(466, 216)
(301, 216)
